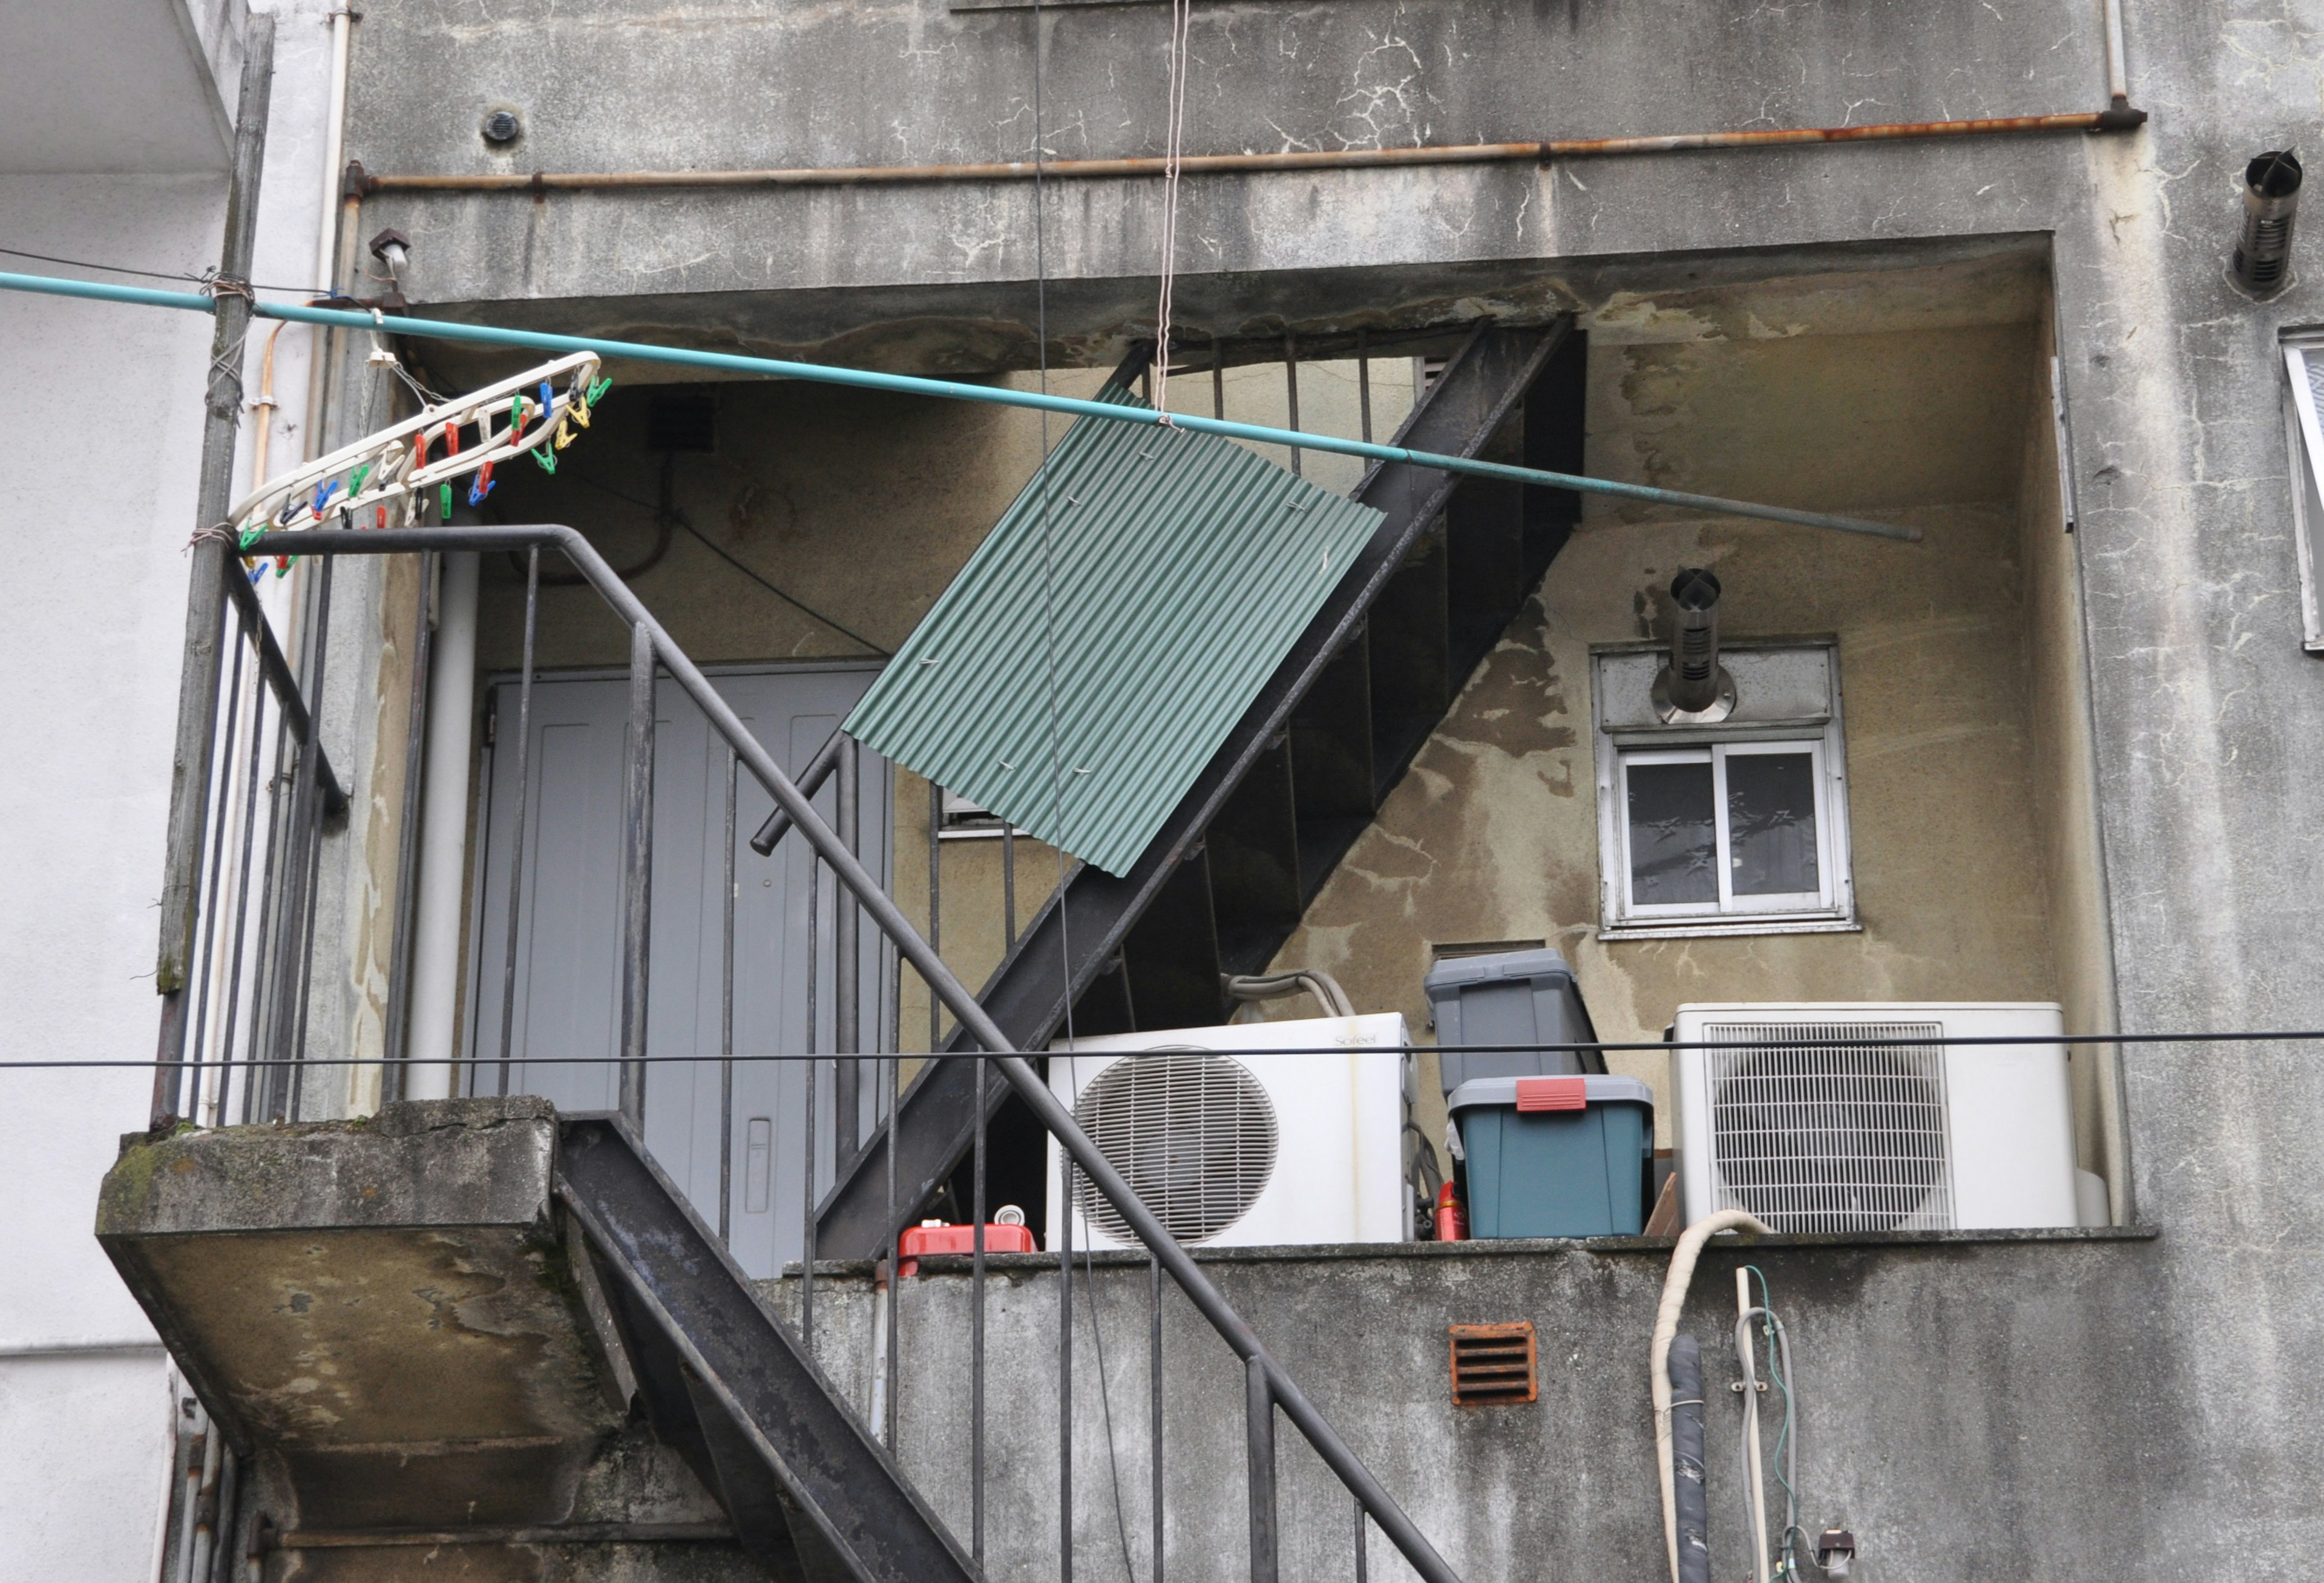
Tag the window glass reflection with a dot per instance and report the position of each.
(1674, 838)
(1771, 822)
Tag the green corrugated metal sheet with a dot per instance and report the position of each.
(1181, 569)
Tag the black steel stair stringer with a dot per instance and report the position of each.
(1093, 913)
(784, 1453)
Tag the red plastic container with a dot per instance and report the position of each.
(1452, 1220)
(932, 1237)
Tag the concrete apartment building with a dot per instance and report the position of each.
(390, 1295)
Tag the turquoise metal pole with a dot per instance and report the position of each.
(946, 390)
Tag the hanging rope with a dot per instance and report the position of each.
(1175, 143)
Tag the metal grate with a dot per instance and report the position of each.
(1193, 1133)
(1493, 1364)
(1813, 1133)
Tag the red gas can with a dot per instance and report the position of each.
(931, 1237)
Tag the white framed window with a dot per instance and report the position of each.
(1737, 827)
(2303, 367)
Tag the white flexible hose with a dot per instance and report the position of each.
(1674, 1285)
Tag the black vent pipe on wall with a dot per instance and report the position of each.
(2263, 262)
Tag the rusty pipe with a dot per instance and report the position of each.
(542, 182)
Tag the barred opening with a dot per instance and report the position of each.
(1193, 1134)
(1842, 1137)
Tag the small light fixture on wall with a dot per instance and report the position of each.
(2263, 260)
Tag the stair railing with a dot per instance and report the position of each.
(1269, 1388)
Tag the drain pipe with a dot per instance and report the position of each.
(2117, 70)
(1674, 1285)
(1693, 1497)
(433, 1039)
(329, 223)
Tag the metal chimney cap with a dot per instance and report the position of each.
(2273, 174)
(1694, 589)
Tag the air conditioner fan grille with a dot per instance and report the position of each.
(1813, 1131)
(1193, 1133)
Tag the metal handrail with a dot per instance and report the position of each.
(1268, 1381)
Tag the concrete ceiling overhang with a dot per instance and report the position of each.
(957, 329)
(117, 87)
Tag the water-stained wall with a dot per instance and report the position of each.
(1918, 399)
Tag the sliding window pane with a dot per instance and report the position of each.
(1771, 822)
(1673, 837)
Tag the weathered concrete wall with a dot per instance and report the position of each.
(1906, 397)
(2204, 708)
(1952, 1397)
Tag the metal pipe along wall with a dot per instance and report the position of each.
(434, 1038)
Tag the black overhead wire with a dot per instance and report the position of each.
(200, 279)
(670, 516)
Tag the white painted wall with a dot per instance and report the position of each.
(101, 406)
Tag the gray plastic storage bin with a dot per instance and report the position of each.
(1569, 1156)
(1509, 998)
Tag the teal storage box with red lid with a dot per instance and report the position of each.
(1555, 1157)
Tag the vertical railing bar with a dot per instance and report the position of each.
(1218, 378)
(1364, 382)
(1008, 885)
(406, 836)
(1259, 1398)
(1363, 1537)
(1066, 1376)
(524, 813)
(976, 1330)
(190, 1063)
(310, 775)
(895, 1267)
(637, 887)
(935, 906)
(234, 904)
(806, 1198)
(1154, 1404)
(726, 1017)
(846, 1031)
(1291, 391)
(269, 911)
(242, 898)
(305, 975)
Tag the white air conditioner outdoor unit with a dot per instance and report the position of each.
(1243, 1134)
(1856, 1117)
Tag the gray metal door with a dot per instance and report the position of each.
(564, 995)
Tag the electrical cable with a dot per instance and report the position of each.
(1173, 143)
(205, 278)
(685, 524)
(1786, 1454)
(1105, 1404)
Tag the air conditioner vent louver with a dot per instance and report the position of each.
(1813, 1131)
(1193, 1134)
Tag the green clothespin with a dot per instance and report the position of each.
(597, 392)
(444, 504)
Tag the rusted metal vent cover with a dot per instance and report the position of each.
(1493, 1364)
(1193, 1134)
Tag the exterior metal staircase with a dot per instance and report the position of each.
(1301, 777)
(731, 1390)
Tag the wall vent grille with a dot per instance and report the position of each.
(1813, 1131)
(1494, 1365)
(1193, 1134)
